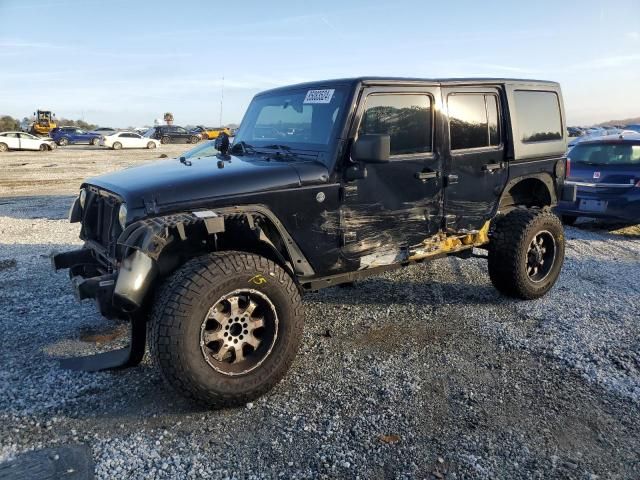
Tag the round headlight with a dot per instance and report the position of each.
(122, 215)
(83, 197)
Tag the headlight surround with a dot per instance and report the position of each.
(83, 197)
(122, 215)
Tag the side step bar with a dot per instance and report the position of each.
(126, 357)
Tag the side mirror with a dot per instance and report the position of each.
(372, 148)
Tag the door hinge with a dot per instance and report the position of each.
(349, 237)
(451, 179)
(450, 221)
(349, 191)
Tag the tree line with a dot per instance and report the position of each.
(8, 123)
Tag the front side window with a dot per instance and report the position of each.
(538, 116)
(474, 121)
(406, 118)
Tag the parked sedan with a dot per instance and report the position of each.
(606, 173)
(208, 133)
(24, 141)
(172, 134)
(104, 131)
(73, 135)
(120, 140)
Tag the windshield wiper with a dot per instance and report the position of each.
(281, 151)
(246, 148)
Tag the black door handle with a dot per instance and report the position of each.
(492, 167)
(428, 175)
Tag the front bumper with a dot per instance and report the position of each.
(117, 291)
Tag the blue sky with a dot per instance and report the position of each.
(125, 62)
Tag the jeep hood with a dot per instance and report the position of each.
(168, 182)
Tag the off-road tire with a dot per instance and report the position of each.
(4, 147)
(95, 141)
(151, 145)
(569, 219)
(116, 146)
(511, 237)
(166, 139)
(183, 302)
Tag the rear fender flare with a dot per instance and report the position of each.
(543, 179)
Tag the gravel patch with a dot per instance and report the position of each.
(425, 372)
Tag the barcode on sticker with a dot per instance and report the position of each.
(319, 96)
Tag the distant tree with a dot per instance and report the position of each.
(168, 118)
(65, 122)
(8, 123)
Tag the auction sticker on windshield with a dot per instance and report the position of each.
(319, 96)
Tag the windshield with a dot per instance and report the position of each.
(206, 149)
(149, 133)
(606, 154)
(305, 119)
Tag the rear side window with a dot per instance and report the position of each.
(405, 118)
(473, 120)
(538, 116)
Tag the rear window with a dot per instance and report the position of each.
(538, 116)
(606, 154)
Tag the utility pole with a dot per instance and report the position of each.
(221, 100)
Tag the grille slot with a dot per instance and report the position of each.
(100, 220)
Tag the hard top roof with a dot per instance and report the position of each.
(632, 138)
(352, 82)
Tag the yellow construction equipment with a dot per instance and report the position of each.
(44, 122)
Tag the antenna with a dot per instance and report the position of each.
(221, 100)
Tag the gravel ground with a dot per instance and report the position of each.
(425, 372)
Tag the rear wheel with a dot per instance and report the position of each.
(3, 147)
(95, 141)
(117, 146)
(151, 145)
(569, 219)
(166, 139)
(526, 253)
(194, 139)
(43, 147)
(226, 327)
(63, 141)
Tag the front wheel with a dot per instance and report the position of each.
(151, 145)
(64, 141)
(526, 253)
(95, 141)
(164, 140)
(3, 147)
(117, 146)
(225, 327)
(194, 139)
(43, 147)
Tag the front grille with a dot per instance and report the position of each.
(100, 219)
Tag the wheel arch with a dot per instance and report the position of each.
(537, 190)
(172, 240)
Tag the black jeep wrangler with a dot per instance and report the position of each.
(324, 183)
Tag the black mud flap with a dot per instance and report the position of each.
(129, 356)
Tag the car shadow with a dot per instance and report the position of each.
(384, 291)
